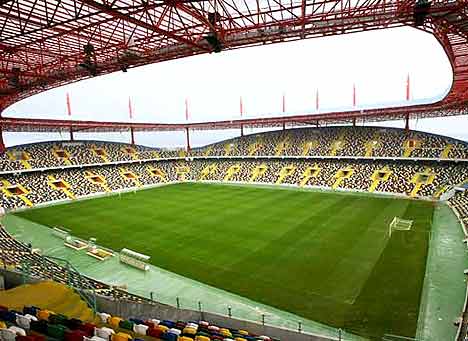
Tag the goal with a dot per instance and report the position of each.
(399, 224)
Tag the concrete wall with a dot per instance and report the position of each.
(162, 311)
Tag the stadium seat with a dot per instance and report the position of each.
(88, 328)
(104, 317)
(43, 315)
(185, 338)
(39, 326)
(58, 319)
(225, 332)
(169, 337)
(155, 332)
(121, 337)
(30, 310)
(140, 329)
(56, 331)
(154, 321)
(162, 327)
(73, 323)
(94, 338)
(136, 321)
(104, 332)
(175, 331)
(115, 322)
(25, 338)
(74, 335)
(7, 335)
(125, 324)
(8, 316)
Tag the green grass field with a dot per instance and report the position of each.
(325, 256)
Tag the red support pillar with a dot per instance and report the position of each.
(284, 125)
(242, 130)
(2, 144)
(354, 121)
(407, 122)
(132, 136)
(71, 134)
(187, 135)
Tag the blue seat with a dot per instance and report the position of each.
(136, 321)
(167, 323)
(169, 337)
(30, 310)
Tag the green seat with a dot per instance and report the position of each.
(125, 324)
(58, 319)
(56, 331)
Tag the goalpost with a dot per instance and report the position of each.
(399, 224)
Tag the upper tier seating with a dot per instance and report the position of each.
(341, 141)
(307, 142)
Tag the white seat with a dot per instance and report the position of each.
(23, 321)
(18, 330)
(103, 332)
(155, 321)
(97, 338)
(104, 317)
(175, 331)
(7, 335)
(31, 317)
(140, 329)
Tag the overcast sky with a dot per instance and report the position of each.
(377, 62)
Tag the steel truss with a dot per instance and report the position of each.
(42, 46)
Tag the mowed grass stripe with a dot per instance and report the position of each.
(324, 256)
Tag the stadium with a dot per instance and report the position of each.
(313, 225)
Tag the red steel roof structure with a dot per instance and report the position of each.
(46, 44)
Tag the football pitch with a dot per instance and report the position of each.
(325, 256)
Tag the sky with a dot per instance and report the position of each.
(376, 62)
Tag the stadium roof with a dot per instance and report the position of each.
(46, 44)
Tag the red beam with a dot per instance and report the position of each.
(430, 110)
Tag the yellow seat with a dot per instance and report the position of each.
(240, 338)
(225, 332)
(202, 338)
(243, 332)
(184, 338)
(189, 330)
(121, 337)
(162, 328)
(114, 321)
(43, 314)
(3, 325)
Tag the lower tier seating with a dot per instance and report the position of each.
(34, 324)
(17, 256)
(416, 179)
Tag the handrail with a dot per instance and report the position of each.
(84, 290)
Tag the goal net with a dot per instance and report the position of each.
(399, 224)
